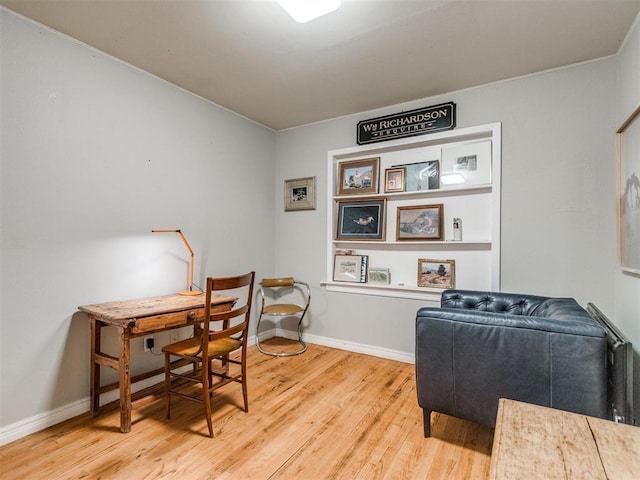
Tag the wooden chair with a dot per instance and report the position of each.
(280, 286)
(208, 345)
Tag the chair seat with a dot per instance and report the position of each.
(189, 347)
(275, 288)
(282, 309)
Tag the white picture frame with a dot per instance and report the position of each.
(466, 165)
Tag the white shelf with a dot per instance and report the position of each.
(477, 256)
(399, 291)
(412, 244)
(438, 192)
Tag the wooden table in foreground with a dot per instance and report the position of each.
(136, 318)
(533, 442)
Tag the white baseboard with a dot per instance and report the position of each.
(344, 345)
(46, 419)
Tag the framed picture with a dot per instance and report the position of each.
(379, 275)
(420, 222)
(394, 180)
(350, 268)
(436, 273)
(628, 148)
(358, 176)
(361, 219)
(300, 194)
(467, 164)
(422, 176)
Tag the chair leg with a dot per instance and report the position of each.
(244, 385)
(426, 419)
(206, 396)
(167, 385)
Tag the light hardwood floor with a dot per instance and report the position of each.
(326, 414)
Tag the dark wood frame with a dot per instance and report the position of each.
(362, 210)
(626, 199)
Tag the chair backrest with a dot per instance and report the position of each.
(242, 308)
(277, 283)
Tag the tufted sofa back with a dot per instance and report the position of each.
(511, 303)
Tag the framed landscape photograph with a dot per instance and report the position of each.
(436, 273)
(358, 177)
(350, 268)
(361, 219)
(379, 275)
(300, 194)
(420, 222)
(394, 180)
(628, 147)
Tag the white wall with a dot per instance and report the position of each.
(558, 214)
(94, 155)
(627, 286)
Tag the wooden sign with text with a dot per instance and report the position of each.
(407, 124)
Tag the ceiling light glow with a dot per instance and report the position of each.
(305, 10)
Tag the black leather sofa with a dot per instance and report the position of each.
(482, 346)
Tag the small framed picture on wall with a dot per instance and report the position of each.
(300, 194)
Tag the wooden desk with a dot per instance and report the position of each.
(533, 442)
(135, 318)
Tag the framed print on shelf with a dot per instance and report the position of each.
(422, 176)
(465, 165)
(350, 268)
(361, 219)
(300, 194)
(419, 222)
(394, 180)
(628, 148)
(436, 273)
(358, 177)
(379, 275)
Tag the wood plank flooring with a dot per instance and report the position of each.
(325, 414)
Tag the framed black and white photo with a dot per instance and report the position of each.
(419, 222)
(436, 273)
(628, 146)
(466, 165)
(300, 194)
(361, 219)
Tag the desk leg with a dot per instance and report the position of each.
(95, 366)
(125, 381)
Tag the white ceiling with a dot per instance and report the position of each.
(252, 58)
